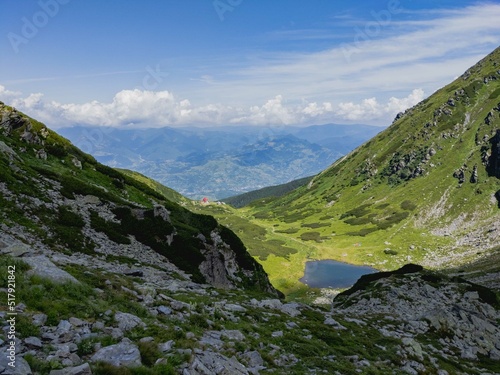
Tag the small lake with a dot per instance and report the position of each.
(333, 274)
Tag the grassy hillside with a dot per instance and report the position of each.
(55, 197)
(424, 190)
(276, 191)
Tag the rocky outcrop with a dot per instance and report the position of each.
(220, 267)
(462, 315)
(493, 166)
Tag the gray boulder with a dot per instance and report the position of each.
(22, 367)
(42, 266)
(122, 354)
(127, 321)
(209, 363)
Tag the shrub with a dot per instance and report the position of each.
(103, 368)
(149, 353)
(198, 320)
(288, 231)
(357, 212)
(86, 346)
(408, 205)
(315, 225)
(41, 367)
(311, 236)
(56, 149)
(69, 218)
(25, 328)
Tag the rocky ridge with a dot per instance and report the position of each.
(155, 322)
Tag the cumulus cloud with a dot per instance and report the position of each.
(143, 108)
(371, 109)
(7, 95)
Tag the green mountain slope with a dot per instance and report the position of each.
(54, 197)
(242, 200)
(424, 190)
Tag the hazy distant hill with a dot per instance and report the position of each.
(223, 161)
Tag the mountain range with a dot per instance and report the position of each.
(106, 271)
(223, 161)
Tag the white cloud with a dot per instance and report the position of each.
(425, 50)
(370, 108)
(141, 108)
(7, 95)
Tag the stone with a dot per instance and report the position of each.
(234, 307)
(127, 321)
(33, 342)
(98, 326)
(164, 310)
(332, 322)
(212, 338)
(166, 346)
(178, 305)
(494, 354)
(76, 322)
(22, 367)
(254, 359)
(64, 326)
(77, 163)
(39, 319)
(122, 354)
(208, 363)
(291, 309)
(42, 266)
(469, 353)
(413, 347)
(41, 154)
(17, 249)
(233, 335)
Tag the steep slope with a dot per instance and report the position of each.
(55, 198)
(427, 189)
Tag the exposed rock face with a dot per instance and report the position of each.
(457, 310)
(493, 166)
(474, 179)
(220, 266)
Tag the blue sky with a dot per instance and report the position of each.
(251, 62)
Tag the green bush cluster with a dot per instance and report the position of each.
(312, 236)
